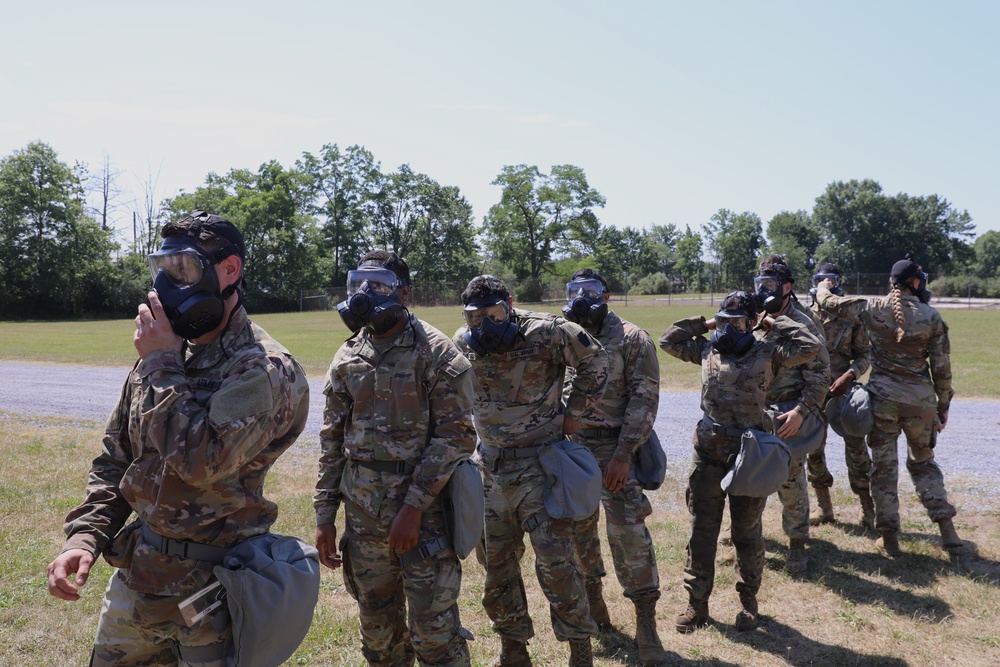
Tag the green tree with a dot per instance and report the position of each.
(794, 236)
(533, 216)
(736, 241)
(53, 258)
(690, 265)
(987, 248)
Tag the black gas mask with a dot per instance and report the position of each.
(188, 287)
(492, 327)
(732, 333)
(373, 300)
(585, 303)
(834, 279)
(768, 292)
(921, 290)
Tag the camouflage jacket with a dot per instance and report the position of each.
(806, 382)
(519, 392)
(734, 389)
(411, 402)
(915, 371)
(846, 342)
(187, 448)
(633, 392)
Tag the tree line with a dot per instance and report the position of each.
(307, 224)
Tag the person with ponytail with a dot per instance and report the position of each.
(911, 393)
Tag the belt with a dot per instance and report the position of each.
(599, 433)
(398, 467)
(424, 551)
(183, 548)
(719, 429)
(511, 452)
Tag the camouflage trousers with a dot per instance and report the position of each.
(706, 502)
(918, 424)
(404, 612)
(632, 549)
(859, 465)
(141, 629)
(794, 497)
(514, 493)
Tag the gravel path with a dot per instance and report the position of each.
(966, 450)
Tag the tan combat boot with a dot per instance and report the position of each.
(598, 609)
(746, 619)
(867, 516)
(889, 543)
(580, 653)
(692, 618)
(949, 538)
(646, 638)
(512, 654)
(798, 559)
(824, 510)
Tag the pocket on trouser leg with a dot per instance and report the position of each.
(346, 569)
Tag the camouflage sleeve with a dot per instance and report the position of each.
(795, 344)
(205, 443)
(336, 414)
(854, 309)
(685, 339)
(642, 381)
(452, 435)
(579, 350)
(816, 376)
(939, 353)
(104, 511)
(860, 351)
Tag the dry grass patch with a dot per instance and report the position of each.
(853, 606)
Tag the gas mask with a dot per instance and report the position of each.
(921, 290)
(188, 286)
(834, 283)
(373, 300)
(586, 305)
(491, 326)
(732, 333)
(767, 291)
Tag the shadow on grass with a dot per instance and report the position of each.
(796, 649)
(616, 645)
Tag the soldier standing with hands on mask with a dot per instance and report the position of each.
(398, 420)
(209, 406)
(613, 428)
(911, 393)
(520, 359)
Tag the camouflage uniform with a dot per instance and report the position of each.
(848, 346)
(519, 404)
(408, 403)
(186, 448)
(807, 383)
(733, 395)
(615, 427)
(910, 385)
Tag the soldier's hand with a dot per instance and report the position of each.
(570, 426)
(766, 322)
(841, 384)
(405, 532)
(791, 422)
(326, 544)
(943, 418)
(615, 475)
(710, 324)
(152, 329)
(74, 561)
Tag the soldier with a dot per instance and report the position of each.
(613, 428)
(737, 368)
(520, 359)
(398, 420)
(847, 344)
(911, 392)
(806, 384)
(207, 409)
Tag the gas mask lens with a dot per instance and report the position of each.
(381, 281)
(498, 312)
(832, 277)
(767, 283)
(737, 322)
(589, 289)
(185, 267)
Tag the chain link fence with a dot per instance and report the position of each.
(421, 294)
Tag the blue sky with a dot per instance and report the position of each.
(674, 110)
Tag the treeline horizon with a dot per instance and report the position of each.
(306, 225)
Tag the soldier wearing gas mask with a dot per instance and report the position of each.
(796, 393)
(848, 346)
(911, 393)
(613, 428)
(520, 359)
(397, 422)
